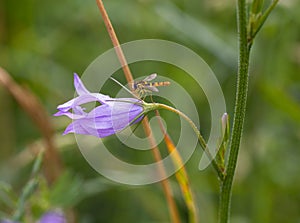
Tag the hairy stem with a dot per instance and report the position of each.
(239, 112)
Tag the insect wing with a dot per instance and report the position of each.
(151, 88)
(150, 77)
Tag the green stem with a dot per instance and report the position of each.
(239, 112)
(200, 137)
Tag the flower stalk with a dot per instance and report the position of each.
(201, 140)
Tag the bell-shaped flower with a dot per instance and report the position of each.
(53, 217)
(48, 217)
(113, 115)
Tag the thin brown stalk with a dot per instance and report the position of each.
(165, 183)
(157, 156)
(115, 42)
(28, 101)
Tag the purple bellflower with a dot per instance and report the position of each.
(53, 217)
(8, 221)
(112, 116)
(49, 217)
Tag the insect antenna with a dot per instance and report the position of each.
(126, 89)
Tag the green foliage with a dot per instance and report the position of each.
(43, 42)
(66, 192)
(8, 199)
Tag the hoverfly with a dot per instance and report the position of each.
(143, 87)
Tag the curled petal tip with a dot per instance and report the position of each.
(79, 86)
(66, 132)
(69, 129)
(59, 113)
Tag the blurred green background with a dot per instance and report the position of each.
(43, 42)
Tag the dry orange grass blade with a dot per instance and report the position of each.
(181, 174)
(30, 104)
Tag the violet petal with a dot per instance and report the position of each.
(79, 86)
(53, 217)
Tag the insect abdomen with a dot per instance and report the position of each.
(159, 84)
